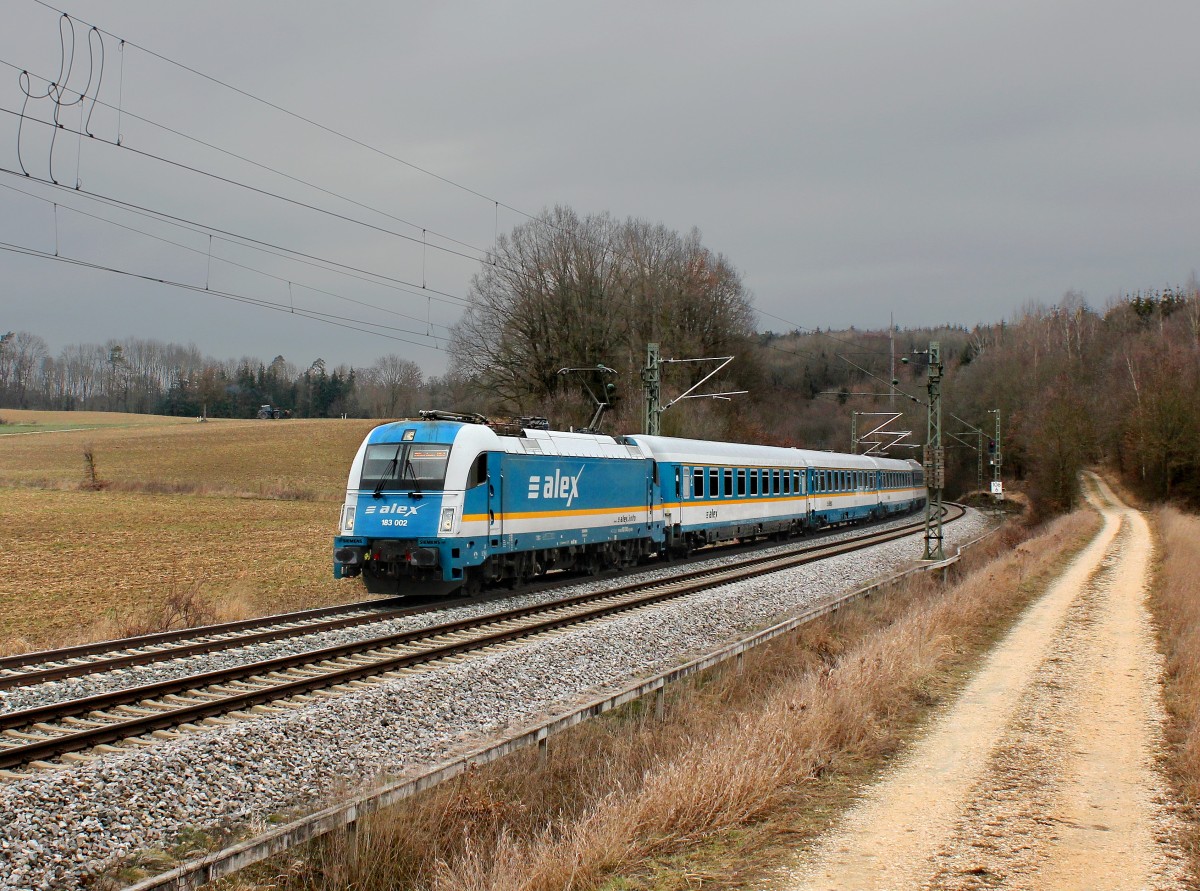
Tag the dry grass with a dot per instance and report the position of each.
(30, 419)
(1176, 608)
(304, 459)
(747, 765)
(107, 528)
(79, 566)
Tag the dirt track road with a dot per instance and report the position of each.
(1041, 775)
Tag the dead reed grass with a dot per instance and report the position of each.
(746, 765)
(1175, 605)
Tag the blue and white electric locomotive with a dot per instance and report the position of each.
(446, 502)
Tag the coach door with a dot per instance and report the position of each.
(495, 496)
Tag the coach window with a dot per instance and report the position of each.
(698, 482)
(753, 481)
(714, 483)
(727, 488)
(741, 477)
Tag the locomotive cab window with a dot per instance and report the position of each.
(405, 466)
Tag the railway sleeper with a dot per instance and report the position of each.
(83, 722)
(24, 736)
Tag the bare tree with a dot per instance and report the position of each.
(563, 291)
(392, 387)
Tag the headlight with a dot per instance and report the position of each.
(348, 518)
(447, 523)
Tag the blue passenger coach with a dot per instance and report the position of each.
(716, 491)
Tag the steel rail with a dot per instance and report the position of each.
(41, 657)
(139, 724)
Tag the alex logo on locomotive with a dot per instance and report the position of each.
(560, 485)
(404, 510)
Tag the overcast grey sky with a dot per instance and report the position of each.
(942, 161)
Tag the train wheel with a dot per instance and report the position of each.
(473, 583)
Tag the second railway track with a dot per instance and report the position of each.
(140, 716)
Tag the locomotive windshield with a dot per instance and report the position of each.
(405, 466)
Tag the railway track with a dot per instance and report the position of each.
(141, 716)
(53, 665)
(28, 669)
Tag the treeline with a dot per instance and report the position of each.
(148, 376)
(1074, 386)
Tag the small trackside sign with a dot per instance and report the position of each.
(560, 485)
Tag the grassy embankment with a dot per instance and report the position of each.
(180, 523)
(748, 765)
(1175, 605)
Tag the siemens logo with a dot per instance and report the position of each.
(558, 486)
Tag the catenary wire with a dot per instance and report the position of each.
(324, 318)
(233, 263)
(255, 189)
(296, 115)
(232, 154)
(258, 244)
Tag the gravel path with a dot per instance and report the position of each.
(65, 825)
(1042, 775)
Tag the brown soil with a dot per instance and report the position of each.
(1042, 775)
